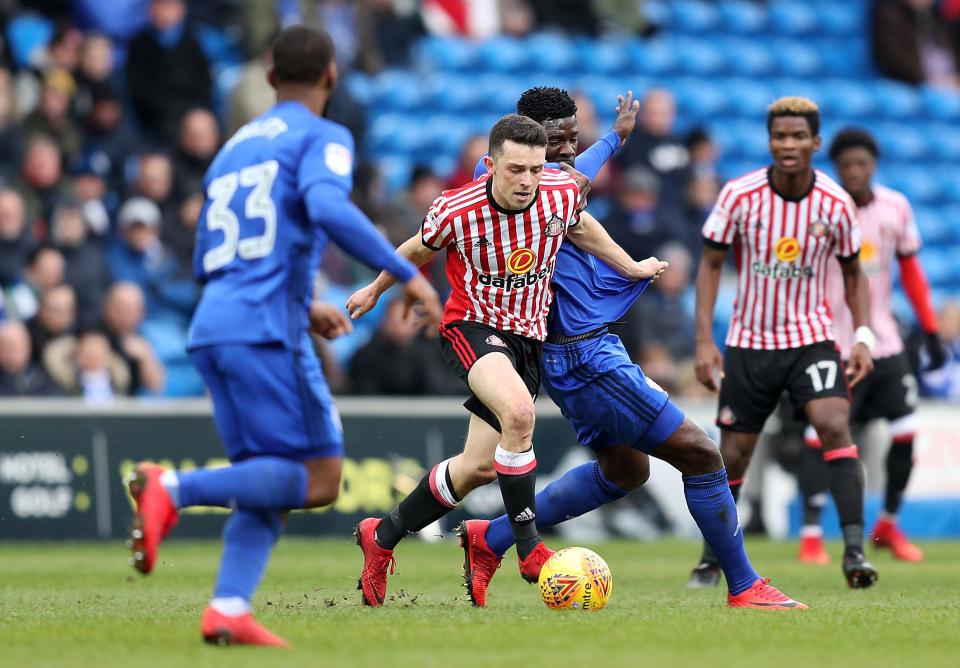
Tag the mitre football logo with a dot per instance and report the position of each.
(787, 249)
(521, 261)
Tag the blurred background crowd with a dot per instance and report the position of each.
(111, 111)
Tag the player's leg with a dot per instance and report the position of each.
(895, 401)
(812, 480)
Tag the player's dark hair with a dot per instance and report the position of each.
(301, 54)
(545, 103)
(795, 106)
(516, 128)
(853, 138)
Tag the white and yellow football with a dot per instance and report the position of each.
(575, 578)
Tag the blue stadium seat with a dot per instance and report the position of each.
(945, 141)
(742, 17)
(748, 98)
(940, 267)
(395, 133)
(27, 33)
(450, 93)
(847, 99)
(693, 16)
(942, 105)
(917, 183)
(499, 92)
(446, 53)
(935, 228)
(699, 99)
(902, 142)
(748, 57)
(843, 19)
(603, 91)
(897, 100)
(653, 57)
(502, 54)
(699, 57)
(547, 52)
(950, 184)
(444, 134)
(793, 18)
(395, 171)
(796, 58)
(398, 90)
(608, 56)
(741, 141)
(361, 88)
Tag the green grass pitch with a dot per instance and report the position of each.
(72, 604)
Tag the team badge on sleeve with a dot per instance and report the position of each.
(338, 159)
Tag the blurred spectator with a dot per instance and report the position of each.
(15, 237)
(702, 191)
(11, 134)
(95, 70)
(109, 141)
(167, 71)
(912, 42)
(478, 20)
(44, 270)
(120, 19)
(516, 18)
(181, 244)
(409, 206)
(198, 142)
(52, 115)
(399, 360)
(85, 264)
(252, 95)
(85, 366)
(18, 375)
(704, 154)
(123, 313)
(473, 149)
(155, 182)
(573, 16)
(654, 145)
(387, 32)
(663, 316)
(63, 51)
(139, 256)
(91, 197)
(636, 220)
(41, 180)
(944, 383)
(57, 316)
(624, 16)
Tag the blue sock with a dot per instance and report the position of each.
(248, 539)
(578, 491)
(712, 506)
(260, 483)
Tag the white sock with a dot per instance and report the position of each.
(811, 530)
(231, 606)
(171, 483)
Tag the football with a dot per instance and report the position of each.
(575, 578)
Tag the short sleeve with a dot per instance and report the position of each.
(328, 157)
(436, 232)
(721, 225)
(908, 235)
(847, 229)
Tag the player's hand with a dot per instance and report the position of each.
(582, 181)
(709, 365)
(136, 347)
(627, 109)
(935, 351)
(362, 301)
(328, 321)
(422, 301)
(651, 268)
(860, 365)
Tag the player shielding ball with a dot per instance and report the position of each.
(785, 223)
(275, 193)
(501, 234)
(889, 233)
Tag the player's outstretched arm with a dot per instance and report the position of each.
(857, 295)
(709, 361)
(328, 321)
(589, 236)
(365, 299)
(915, 284)
(590, 161)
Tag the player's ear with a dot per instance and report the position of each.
(272, 77)
(332, 75)
(488, 163)
(817, 141)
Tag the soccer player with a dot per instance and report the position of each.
(888, 232)
(501, 233)
(275, 193)
(785, 222)
(614, 409)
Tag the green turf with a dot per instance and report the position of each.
(71, 605)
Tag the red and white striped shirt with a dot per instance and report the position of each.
(888, 231)
(499, 262)
(782, 247)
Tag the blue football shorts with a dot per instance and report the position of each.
(270, 400)
(606, 397)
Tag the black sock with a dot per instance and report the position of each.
(708, 554)
(812, 478)
(517, 475)
(433, 498)
(846, 485)
(899, 467)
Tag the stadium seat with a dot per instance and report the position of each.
(941, 105)
(934, 227)
(394, 133)
(693, 16)
(446, 53)
(361, 88)
(843, 19)
(896, 100)
(698, 99)
(748, 57)
(917, 183)
(902, 142)
(395, 171)
(652, 57)
(699, 57)
(742, 17)
(548, 52)
(445, 134)
(795, 18)
(944, 140)
(608, 56)
(847, 99)
(502, 54)
(941, 268)
(796, 58)
(499, 92)
(950, 185)
(450, 93)
(399, 90)
(748, 98)
(27, 35)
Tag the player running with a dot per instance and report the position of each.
(785, 222)
(275, 193)
(501, 234)
(888, 232)
(615, 410)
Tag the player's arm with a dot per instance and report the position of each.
(328, 321)
(588, 235)
(709, 361)
(915, 284)
(857, 293)
(365, 299)
(590, 161)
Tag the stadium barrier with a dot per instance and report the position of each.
(63, 465)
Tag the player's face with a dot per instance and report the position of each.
(516, 174)
(563, 137)
(855, 167)
(792, 144)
